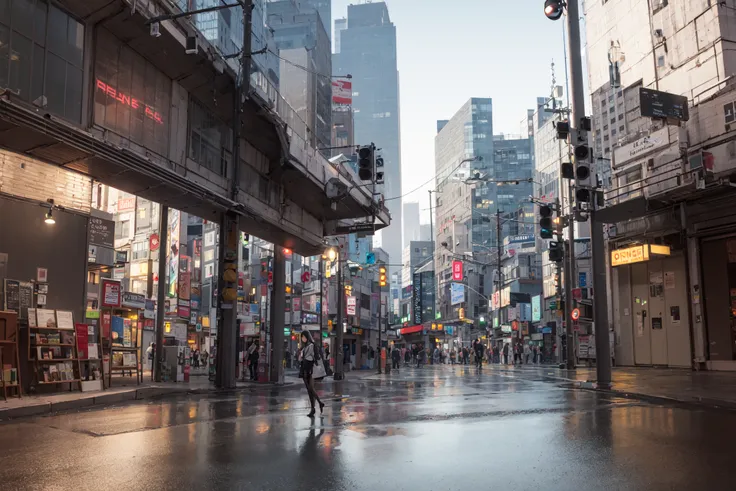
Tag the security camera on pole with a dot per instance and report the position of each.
(585, 188)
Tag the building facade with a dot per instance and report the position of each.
(669, 228)
(305, 65)
(463, 222)
(367, 51)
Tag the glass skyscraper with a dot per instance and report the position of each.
(368, 53)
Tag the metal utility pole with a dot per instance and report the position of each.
(339, 375)
(600, 307)
(161, 294)
(378, 352)
(499, 254)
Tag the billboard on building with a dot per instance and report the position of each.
(132, 97)
(457, 271)
(537, 308)
(417, 299)
(457, 293)
(342, 92)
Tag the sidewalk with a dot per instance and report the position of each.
(717, 389)
(126, 390)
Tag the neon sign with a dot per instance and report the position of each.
(128, 100)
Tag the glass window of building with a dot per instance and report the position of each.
(209, 139)
(42, 65)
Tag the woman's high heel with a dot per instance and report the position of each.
(311, 414)
(321, 407)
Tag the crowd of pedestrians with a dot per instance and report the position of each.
(476, 354)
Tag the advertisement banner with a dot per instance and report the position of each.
(496, 300)
(457, 293)
(173, 252)
(82, 340)
(342, 92)
(110, 293)
(417, 298)
(134, 300)
(537, 308)
(352, 301)
(457, 271)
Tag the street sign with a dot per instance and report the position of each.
(583, 279)
(575, 314)
(664, 105)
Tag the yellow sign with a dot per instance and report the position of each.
(661, 250)
(630, 255)
(638, 254)
(461, 313)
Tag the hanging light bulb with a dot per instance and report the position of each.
(49, 214)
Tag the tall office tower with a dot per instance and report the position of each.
(368, 53)
(411, 222)
(306, 65)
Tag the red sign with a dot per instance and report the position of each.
(342, 92)
(514, 325)
(412, 329)
(306, 277)
(105, 322)
(134, 103)
(575, 314)
(111, 293)
(154, 242)
(82, 340)
(457, 271)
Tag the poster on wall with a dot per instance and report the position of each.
(669, 280)
(117, 330)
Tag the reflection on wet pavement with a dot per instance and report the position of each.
(436, 428)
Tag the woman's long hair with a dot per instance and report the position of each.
(308, 335)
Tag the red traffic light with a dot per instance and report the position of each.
(553, 9)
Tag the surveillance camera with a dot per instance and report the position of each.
(155, 29)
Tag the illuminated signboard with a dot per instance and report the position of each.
(637, 254)
(128, 100)
(630, 255)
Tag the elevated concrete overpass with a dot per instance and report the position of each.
(283, 183)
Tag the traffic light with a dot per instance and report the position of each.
(556, 251)
(246, 238)
(553, 9)
(563, 130)
(365, 162)
(379, 173)
(545, 222)
(382, 276)
(583, 176)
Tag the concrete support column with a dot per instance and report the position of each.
(227, 332)
(278, 306)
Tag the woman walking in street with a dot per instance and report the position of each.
(309, 357)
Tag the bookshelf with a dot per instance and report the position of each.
(9, 359)
(52, 348)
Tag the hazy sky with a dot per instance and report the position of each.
(449, 51)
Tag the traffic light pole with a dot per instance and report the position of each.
(600, 303)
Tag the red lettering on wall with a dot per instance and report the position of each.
(130, 101)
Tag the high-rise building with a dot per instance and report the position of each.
(224, 29)
(425, 231)
(340, 25)
(367, 51)
(415, 254)
(306, 65)
(464, 224)
(323, 8)
(411, 221)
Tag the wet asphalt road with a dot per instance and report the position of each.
(439, 428)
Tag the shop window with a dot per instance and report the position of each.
(209, 139)
(41, 56)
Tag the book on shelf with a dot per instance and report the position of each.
(67, 337)
(128, 359)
